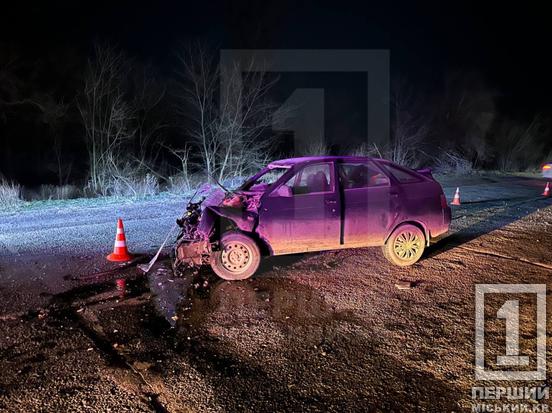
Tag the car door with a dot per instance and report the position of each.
(303, 213)
(368, 203)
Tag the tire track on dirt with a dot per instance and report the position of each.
(504, 256)
(63, 308)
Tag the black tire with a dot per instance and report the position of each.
(238, 257)
(405, 246)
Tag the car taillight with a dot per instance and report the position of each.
(444, 203)
(546, 167)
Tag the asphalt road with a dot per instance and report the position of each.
(311, 332)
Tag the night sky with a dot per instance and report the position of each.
(506, 46)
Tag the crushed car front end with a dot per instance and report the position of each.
(205, 221)
(193, 247)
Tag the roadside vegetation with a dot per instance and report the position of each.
(128, 132)
(10, 194)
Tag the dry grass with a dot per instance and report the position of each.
(450, 162)
(47, 192)
(10, 194)
(124, 184)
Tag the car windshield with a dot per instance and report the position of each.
(264, 178)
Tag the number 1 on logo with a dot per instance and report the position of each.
(510, 312)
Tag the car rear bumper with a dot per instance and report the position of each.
(439, 230)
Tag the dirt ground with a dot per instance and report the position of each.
(311, 332)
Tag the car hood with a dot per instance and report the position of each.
(214, 196)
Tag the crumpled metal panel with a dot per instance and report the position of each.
(193, 253)
(244, 220)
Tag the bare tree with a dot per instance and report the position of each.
(54, 114)
(198, 90)
(315, 147)
(230, 126)
(409, 127)
(107, 117)
(521, 146)
(11, 94)
(464, 115)
(151, 119)
(17, 96)
(181, 181)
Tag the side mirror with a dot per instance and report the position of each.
(283, 191)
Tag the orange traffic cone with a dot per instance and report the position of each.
(546, 190)
(120, 252)
(456, 200)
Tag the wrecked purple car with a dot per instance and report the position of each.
(314, 204)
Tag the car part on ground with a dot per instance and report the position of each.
(145, 268)
(313, 204)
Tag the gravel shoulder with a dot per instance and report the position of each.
(312, 332)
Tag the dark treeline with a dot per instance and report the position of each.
(110, 122)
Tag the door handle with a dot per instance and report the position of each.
(331, 202)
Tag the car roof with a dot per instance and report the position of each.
(295, 161)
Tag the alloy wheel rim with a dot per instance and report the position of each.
(407, 245)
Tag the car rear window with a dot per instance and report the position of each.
(361, 175)
(401, 175)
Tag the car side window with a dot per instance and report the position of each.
(401, 175)
(311, 179)
(361, 175)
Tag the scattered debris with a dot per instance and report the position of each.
(141, 365)
(404, 285)
(121, 284)
(146, 267)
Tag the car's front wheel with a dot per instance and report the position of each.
(405, 246)
(237, 258)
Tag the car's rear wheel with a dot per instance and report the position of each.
(238, 257)
(405, 246)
